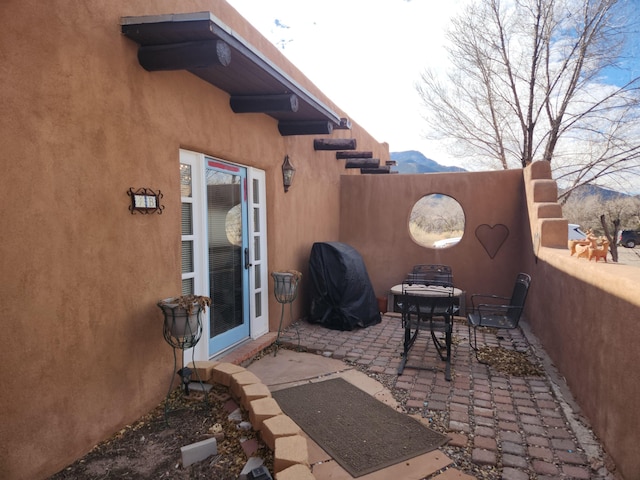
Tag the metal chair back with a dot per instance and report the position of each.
(431, 274)
(498, 312)
(518, 298)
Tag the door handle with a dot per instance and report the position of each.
(247, 265)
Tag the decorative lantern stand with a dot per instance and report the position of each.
(286, 290)
(182, 330)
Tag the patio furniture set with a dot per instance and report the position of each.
(428, 299)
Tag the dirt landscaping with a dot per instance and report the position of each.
(150, 449)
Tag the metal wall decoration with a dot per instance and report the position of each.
(492, 237)
(145, 200)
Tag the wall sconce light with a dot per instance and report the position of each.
(287, 173)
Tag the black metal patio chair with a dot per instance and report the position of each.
(431, 274)
(432, 312)
(497, 311)
(435, 275)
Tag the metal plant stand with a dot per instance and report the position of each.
(286, 290)
(182, 330)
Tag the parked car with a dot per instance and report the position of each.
(629, 238)
(447, 242)
(576, 233)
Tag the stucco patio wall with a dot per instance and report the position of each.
(83, 352)
(375, 214)
(587, 317)
(586, 314)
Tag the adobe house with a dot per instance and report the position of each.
(144, 144)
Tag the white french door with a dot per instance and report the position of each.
(258, 286)
(224, 249)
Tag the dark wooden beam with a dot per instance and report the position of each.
(378, 170)
(305, 127)
(334, 144)
(185, 56)
(354, 154)
(345, 124)
(264, 103)
(362, 163)
(391, 163)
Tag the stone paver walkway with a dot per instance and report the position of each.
(502, 426)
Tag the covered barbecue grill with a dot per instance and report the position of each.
(342, 297)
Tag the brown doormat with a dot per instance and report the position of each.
(361, 433)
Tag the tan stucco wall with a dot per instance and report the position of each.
(375, 220)
(82, 122)
(586, 314)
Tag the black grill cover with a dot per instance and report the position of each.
(342, 296)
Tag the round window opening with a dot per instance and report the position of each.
(436, 221)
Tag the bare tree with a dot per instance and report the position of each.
(526, 84)
(611, 237)
(584, 210)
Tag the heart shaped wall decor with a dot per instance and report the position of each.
(492, 237)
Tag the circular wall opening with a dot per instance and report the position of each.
(436, 221)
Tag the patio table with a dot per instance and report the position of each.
(424, 290)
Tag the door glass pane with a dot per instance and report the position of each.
(187, 257)
(187, 286)
(256, 191)
(185, 180)
(225, 250)
(187, 219)
(258, 300)
(256, 249)
(256, 220)
(258, 273)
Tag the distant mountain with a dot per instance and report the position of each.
(603, 193)
(412, 161)
(415, 162)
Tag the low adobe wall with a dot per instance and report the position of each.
(374, 219)
(586, 315)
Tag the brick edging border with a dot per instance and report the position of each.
(277, 430)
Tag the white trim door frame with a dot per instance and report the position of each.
(254, 259)
(258, 277)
